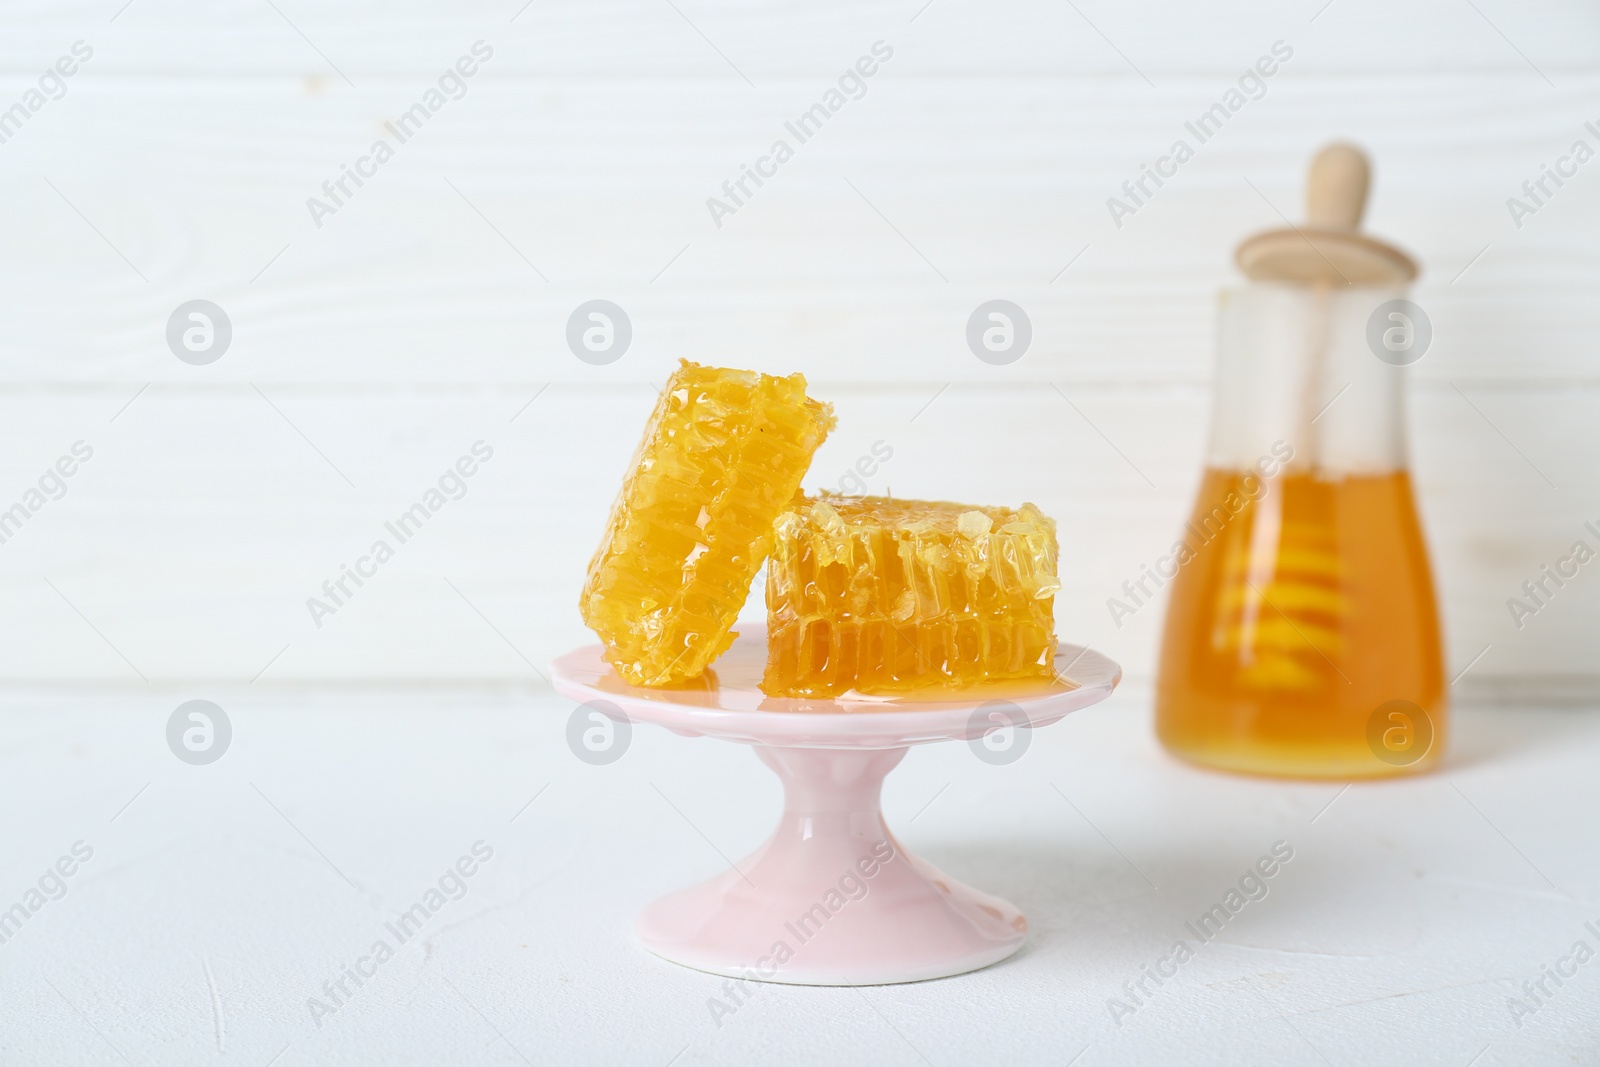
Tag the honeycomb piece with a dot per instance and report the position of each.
(884, 596)
(722, 455)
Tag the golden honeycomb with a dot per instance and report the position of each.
(883, 596)
(722, 456)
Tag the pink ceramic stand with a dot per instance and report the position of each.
(832, 898)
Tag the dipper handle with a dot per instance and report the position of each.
(1336, 189)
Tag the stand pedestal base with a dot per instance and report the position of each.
(832, 898)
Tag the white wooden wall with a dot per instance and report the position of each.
(371, 352)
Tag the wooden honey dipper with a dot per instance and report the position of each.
(1328, 249)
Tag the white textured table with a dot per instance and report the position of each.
(222, 898)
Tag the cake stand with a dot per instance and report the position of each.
(833, 898)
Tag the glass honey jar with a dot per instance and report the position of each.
(1302, 633)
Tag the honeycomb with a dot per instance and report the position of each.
(722, 456)
(882, 596)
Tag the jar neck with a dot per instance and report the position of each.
(1296, 372)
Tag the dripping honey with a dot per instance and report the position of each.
(1293, 619)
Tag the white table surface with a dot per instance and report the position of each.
(222, 897)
